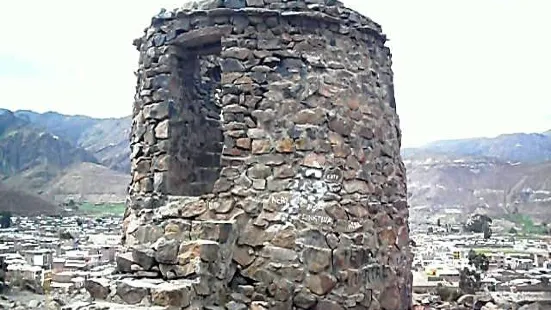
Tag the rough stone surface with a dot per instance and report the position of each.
(266, 167)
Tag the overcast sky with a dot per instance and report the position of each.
(462, 68)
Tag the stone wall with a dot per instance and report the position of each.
(266, 159)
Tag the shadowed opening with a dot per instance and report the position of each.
(196, 138)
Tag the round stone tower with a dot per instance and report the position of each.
(266, 168)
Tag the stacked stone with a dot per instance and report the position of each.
(310, 191)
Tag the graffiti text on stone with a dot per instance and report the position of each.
(371, 275)
(333, 175)
(316, 219)
(279, 200)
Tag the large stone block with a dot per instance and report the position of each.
(204, 36)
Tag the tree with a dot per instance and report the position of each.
(469, 281)
(482, 262)
(65, 235)
(513, 231)
(5, 219)
(477, 222)
(469, 278)
(3, 270)
(478, 260)
(545, 227)
(487, 231)
(430, 230)
(471, 255)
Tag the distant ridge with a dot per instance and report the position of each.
(88, 182)
(506, 174)
(57, 156)
(30, 156)
(105, 138)
(518, 147)
(23, 203)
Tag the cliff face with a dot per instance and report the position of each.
(32, 157)
(105, 139)
(448, 182)
(24, 147)
(516, 148)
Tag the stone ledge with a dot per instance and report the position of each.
(102, 305)
(142, 293)
(350, 22)
(313, 15)
(202, 36)
(229, 4)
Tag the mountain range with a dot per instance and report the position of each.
(55, 157)
(508, 174)
(59, 156)
(105, 139)
(518, 147)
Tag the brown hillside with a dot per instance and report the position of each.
(88, 182)
(23, 203)
(34, 179)
(441, 182)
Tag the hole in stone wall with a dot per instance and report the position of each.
(196, 137)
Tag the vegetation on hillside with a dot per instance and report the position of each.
(5, 219)
(479, 223)
(116, 209)
(470, 278)
(527, 224)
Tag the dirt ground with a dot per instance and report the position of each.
(21, 297)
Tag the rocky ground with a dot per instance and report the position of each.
(472, 302)
(79, 300)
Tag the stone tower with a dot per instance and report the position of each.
(266, 168)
